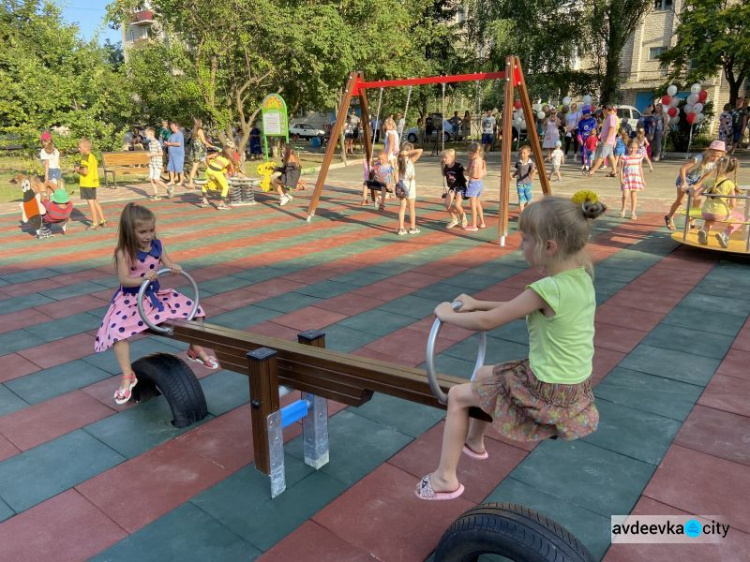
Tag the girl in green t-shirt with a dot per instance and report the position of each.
(548, 394)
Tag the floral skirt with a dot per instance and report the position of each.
(524, 408)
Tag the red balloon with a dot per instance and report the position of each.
(517, 104)
(672, 112)
(690, 118)
(665, 100)
(703, 96)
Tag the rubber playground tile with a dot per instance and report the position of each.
(38, 474)
(274, 287)
(703, 321)
(106, 361)
(647, 300)
(742, 341)
(61, 351)
(223, 284)
(605, 288)
(289, 302)
(722, 306)
(406, 417)
(627, 317)
(377, 322)
(30, 275)
(677, 365)
(262, 273)
(187, 533)
(69, 291)
(357, 446)
(603, 270)
(383, 290)
(244, 317)
(243, 504)
(439, 292)
(729, 394)
(351, 304)
(498, 351)
(309, 318)
(648, 393)
(64, 308)
(677, 338)
(225, 391)
(617, 338)
(158, 481)
(421, 457)
(341, 338)
(449, 365)
(733, 548)
(22, 319)
(400, 526)
(38, 424)
(15, 366)
(18, 340)
(53, 330)
(66, 527)
(647, 438)
(274, 330)
(7, 449)
(5, 512)
(9, 402)
(703, 484)
(703, 425)
(515, 331)
(410, 305)
(312, 542)
(448, 332)
(736, 364)
(589, 476)
(406, 347)
(359, 278)
(589, 527)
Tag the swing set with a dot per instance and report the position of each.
(513, 76)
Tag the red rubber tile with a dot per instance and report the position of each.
(604, 361)
(63, 528)
(522, 280)
(742, 341)
(405, 346)
(270, 328)
(628, 317)
(31, 287)
(349, 305)
(448, 332)
(414, 279)
(15, 366)
(736, 363)
(21, 319)
(74, 305)
(61, 351)
(102, 392)
(381, 515)
(727, 393)
(234, 299)
(43, 422)
(7, 449)
(274, 287)
(500, 292)
(313, 543)
(702, 428)
(704, 485)
(638, 298)
(86, 275)
(139, 491)
(421, 457)
(388, 357)
(309, 318)
(617, 338)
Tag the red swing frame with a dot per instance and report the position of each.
(357, 86)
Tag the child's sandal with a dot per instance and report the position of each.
(209, 361)
(122, 396)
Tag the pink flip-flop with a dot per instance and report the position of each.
(474, 455)
(211, 362)
(123, 396)
(424, 491)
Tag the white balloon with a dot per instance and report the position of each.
(587, 99)
(699, 117)
(665, 109)
(698, 107)
(672, 90)
(692, 99)
(674, 102)
(541, 115)
(537, 107)
(695, 89)
(688, 108)
(674, 120)
(566, 100)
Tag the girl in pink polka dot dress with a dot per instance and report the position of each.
(139, 255)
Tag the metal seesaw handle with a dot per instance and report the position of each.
(430, 358)
(142, 293)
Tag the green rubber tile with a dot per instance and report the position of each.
(243, 504)
(497, 269)
(439, 292)
(186, 534)
(722, 306)
(14, 304)
(671, 364)
(702, 321)
(721, 286)
(5, 511)
(607, 287)
(31, 275)
(341, 338)
(390, 268)
(3, 283)
(259, 274)
(109, 282)
(244, 317)
(592, 529)
(360, 278)
(377, 322)
(514, 260)
(648, 393)
(288, 302)
(60, 328)
(410, 305)
(357, 446)
(677, 338)
(448, 365)
(632, 259)
(10, 342)
(634, 433)
(586, 475)
(325, 289)
(74, 290)
(10, 402)
(169, 345)
(223, 284)
(472, 282)
(225, 391)
(515, 331)
(49, 383)
(105, 360)
(135, 431)
(407, 417)
(498, 351)
(38, 474)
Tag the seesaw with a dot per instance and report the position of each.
(510, 530)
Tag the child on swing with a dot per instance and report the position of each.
(548, 394)
(139, 255)
(383, 175)
(290, 172)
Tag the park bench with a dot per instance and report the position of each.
(130, 162)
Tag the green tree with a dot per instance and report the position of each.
(712, 36)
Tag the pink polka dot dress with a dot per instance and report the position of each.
(122, 319)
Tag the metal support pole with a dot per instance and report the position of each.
(315, 424)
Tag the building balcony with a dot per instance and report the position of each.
(144, 17)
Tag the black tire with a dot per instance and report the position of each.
(163, 373)
(514, 531)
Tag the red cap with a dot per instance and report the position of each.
(46, 136)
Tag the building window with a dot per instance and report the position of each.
(654, 52)
(663, 5)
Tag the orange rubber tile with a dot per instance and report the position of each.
(309, 318)
(350, 305)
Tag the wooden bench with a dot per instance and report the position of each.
(130, 162)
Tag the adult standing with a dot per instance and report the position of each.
(455, 122)
(739, 122)
(176, 159)
(571, 129)
(391, 142)
(606, 148)
(660, 127)
(375, 127)
(400, 124)
(551, 131)
(199, 146)
(466, 125)
(488, 131)
(648, 123)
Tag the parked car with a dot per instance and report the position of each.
(305, 131)
(630, 112)
(412, 135)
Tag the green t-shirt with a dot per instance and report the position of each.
(561, 348)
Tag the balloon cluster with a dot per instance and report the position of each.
(541, 111)
(693, 108)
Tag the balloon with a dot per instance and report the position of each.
(692, 99)
(674, 120)
(675, 101)
(695, 89)
(672, 90)
(537, 107)
(699, 117)
(665, 100)
(565, 109)
(587, 99)
(517, 104)
(688, 108)
(541, 115)
(566, 100)
(698, 107)
(518, 121)
(690, 118)
(703, 96)
(665, 109)
(672, 111)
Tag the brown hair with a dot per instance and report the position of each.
(402, 158)
(131, 215)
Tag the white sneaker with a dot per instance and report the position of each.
(451, 224)
(284, 200)
(723, 239)
(289, 196)
(702, 237)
